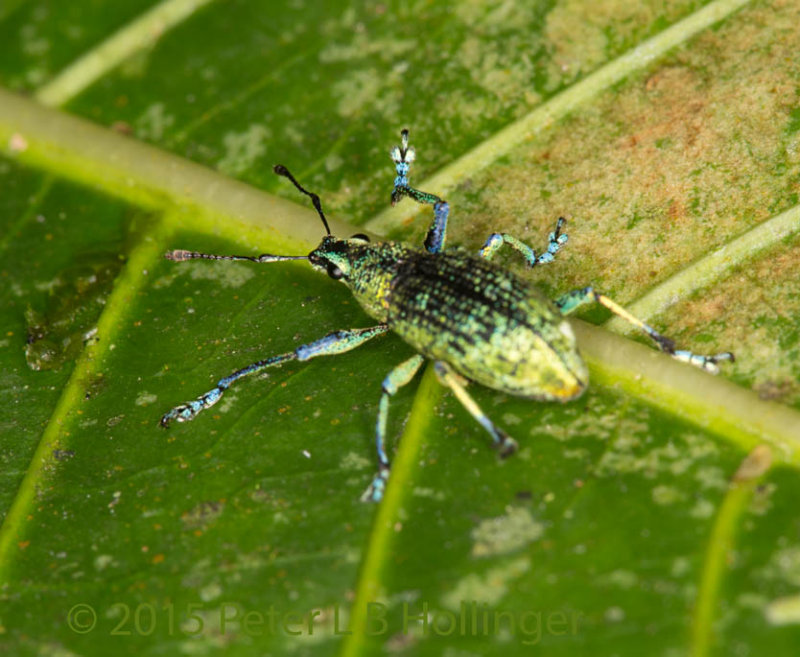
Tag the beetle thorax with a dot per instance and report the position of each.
(366, 268)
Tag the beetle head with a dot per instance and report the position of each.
(334, 256)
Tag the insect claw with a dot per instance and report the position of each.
(506, 445)
(169, 417)
(403, 154)
(182, 413)
(710, 362)
(667, 345)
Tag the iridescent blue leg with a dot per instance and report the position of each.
(395, 380)
(333, 343)
(403, 156)
(496, 240)
(573, 300)
(501, 441)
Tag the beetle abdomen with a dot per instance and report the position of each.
(489, 325)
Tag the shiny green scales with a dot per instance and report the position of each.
(489, 325)
(476, 321)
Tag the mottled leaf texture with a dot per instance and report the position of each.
(655, 515)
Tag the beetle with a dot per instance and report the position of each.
(476, 321)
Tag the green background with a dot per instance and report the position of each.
(668, 133)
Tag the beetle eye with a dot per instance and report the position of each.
(360, 236)
(334, 272)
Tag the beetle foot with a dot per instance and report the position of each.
(707, 363)
(375, 490)
(505, 444)
(189, 410)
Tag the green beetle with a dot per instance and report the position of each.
(474, 320)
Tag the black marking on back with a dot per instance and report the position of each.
(460, 295)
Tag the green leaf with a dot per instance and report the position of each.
(656, 511)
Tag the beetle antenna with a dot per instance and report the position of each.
(179, 255)
(283, 171)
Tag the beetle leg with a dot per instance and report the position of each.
(395, 380)
(403, 156)
(496, 240)
(501, 441)
(572, 300)
(334, 343)
(434, 240)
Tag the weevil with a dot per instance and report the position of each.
(476, 321)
